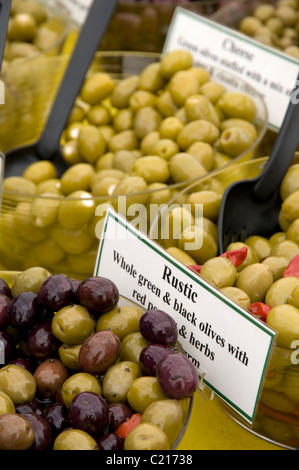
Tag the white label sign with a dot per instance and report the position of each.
(270, 72)
(78, 9)
(222, 340)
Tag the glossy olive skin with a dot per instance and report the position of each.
(147, 436)
(118, 379)
(50, 375)
(98, 294)
(57, 418)
(167, 415)
(118, 414)
(99, 352)
(17, 383)
(77, 383)
(74, 439)
(73, 324)
(6, 404)
(16, 432)
(177, 376)
(41, 341)
(42, 432)
(88, 412)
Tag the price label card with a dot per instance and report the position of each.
(222, 340)
(78, 9)
(272, 73)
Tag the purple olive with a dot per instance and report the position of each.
(41, 342)
(4, 288)
(110, 442)
(4, 303)
(9, 343)
(24, 311)
(118, 413)
(56, 292)
(43, 437)
(57, 418)
(29, 407)
(22, 362)
(157, 326)
(98, 294)
(177, 376)
(88, 412)
(150, 357)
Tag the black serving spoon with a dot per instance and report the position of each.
(251, 207)
(48, 145)
(5, 6)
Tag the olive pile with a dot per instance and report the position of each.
(262, 276)
(82, 373)
(32, 29)
(133, 138)
(169, 124)
(275, 24)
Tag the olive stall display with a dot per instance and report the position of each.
(83, 373)
(141, 137)
(261, 275)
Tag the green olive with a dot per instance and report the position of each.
(146, 436)
(6, 404)
(219, 271)
(260, 245)
(77, 383)
(290, 182)
(285, 320)
(69, 356)
(281, 290)
(184, 167)
(131, 347)
(251, 257)
(121, 320)
(210, 200)
(29, 280)
(166, 415)
(118, 380)
(97, 87)
(278, 265)
(17, 383)
(91, 143)
(175, 61)
(143, 392)
(40, 171)
(77, 209)
(74, 439)
(73, 324)
(237, 105)
(199, 244)
(153, 169)
(77, 178)
(277, 401)
(237, 295)
(199, 107)
(199, 130)
(255, 280)
(290, 387)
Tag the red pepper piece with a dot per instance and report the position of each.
(237, 257)
(196, 268)
(260, 309)
(125, 428)
(293, 268)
